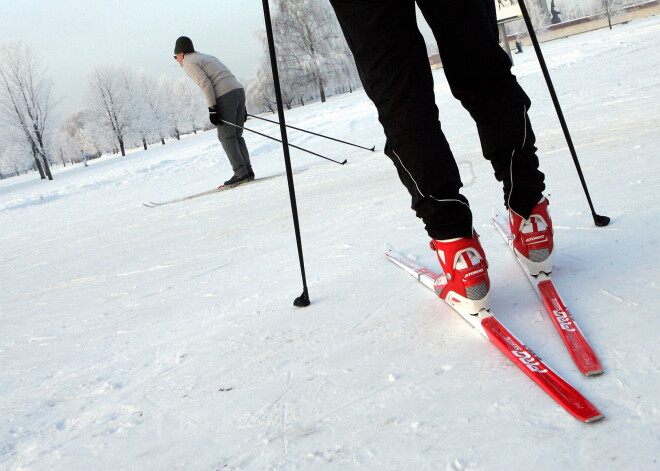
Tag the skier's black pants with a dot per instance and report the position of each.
(392, 61)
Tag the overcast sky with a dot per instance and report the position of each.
(72, 37)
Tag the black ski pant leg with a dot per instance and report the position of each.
(479, 74)
(391, 58)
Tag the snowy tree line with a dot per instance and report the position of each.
(132, 109)
(125, 108)
(25, 97)
(128, 108)
(313, 58)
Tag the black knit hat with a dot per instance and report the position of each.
(183, 44)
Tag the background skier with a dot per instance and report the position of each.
(226, 99)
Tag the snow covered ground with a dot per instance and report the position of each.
(164, 338)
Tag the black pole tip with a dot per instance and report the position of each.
(302, 300)
(601, 221)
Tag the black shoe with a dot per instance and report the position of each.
(235, 181)
(250, 174)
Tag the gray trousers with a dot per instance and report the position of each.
(231, 108)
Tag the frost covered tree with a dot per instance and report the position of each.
(14, 159)
(312, 56)
(25, 101)
(145, 106)
(305, 31)
(137, 129)
(153, 102)
(171, 118)
(83, 134)
(110, 100)
(611, 7)
(259, 94)
(61, 145)
(136, 88)
(261, 91)
(346, 74)
(191, 106)
(184, 108)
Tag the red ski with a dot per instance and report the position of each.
(521, 356)
(576, 343)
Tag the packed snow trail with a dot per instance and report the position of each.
(137, 339)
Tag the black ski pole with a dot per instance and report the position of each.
(291, 145)
(372, 149)
(599, 220)
(303, 299)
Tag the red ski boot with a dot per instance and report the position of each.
(532, 238)
(465, 284)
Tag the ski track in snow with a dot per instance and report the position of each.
(164, 338)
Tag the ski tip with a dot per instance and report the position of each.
(373, 149)
(497, 216)
(594, 372)
(595, 418)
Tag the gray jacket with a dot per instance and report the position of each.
(212, 76)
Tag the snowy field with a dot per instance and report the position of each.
(136, 338)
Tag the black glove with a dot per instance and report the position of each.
(214, 116)
(246, 115)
